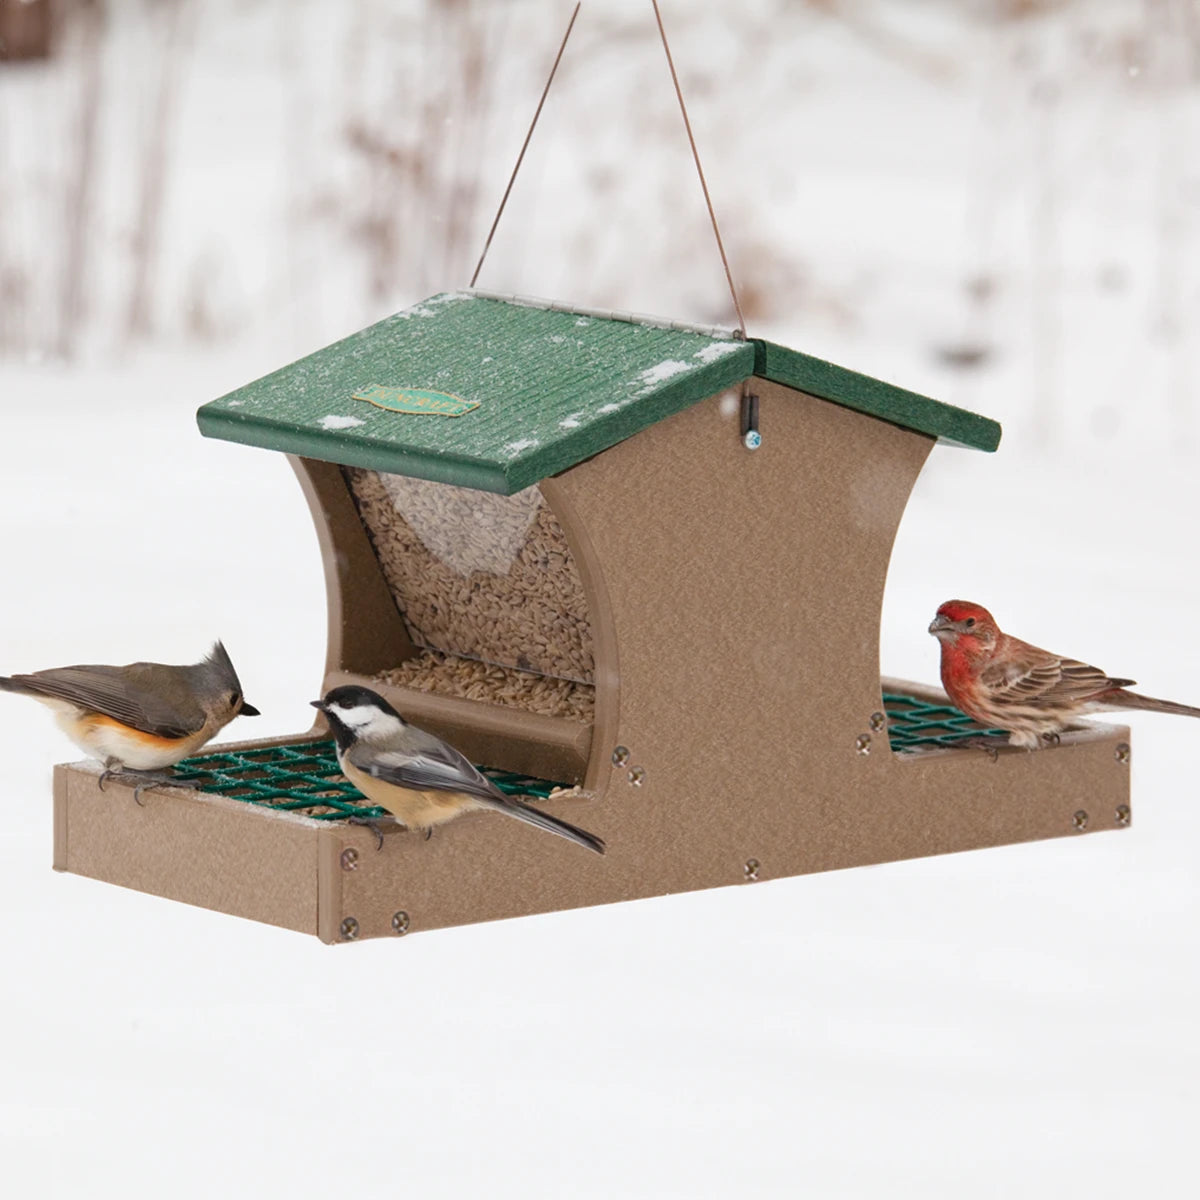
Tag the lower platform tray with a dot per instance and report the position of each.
(265, 835)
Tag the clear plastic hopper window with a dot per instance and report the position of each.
(488, 590)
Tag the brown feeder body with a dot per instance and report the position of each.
(733, 603)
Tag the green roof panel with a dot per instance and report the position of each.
(498, 393)
(866, 395)
(551, 387)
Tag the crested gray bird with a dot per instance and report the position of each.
(421, 780)
(142, 717)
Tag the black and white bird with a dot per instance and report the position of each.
(420, 779)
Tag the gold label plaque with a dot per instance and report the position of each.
(416, 401)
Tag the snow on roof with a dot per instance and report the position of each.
(497, 393)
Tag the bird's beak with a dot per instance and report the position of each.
(318, 704)
(248, 710)
(939, 625)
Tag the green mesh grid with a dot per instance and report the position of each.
(913, 723)
(304, 777)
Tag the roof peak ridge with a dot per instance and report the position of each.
(632, 318)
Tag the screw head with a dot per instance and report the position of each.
(1123, 817)
(750, 870)
(752, 439)
(636, 776)
(350, 859)
(349, 928)
(1123, 753)
(862, 743)
(1080, 820)
(878, 722)
(620, 756)
(400, 923)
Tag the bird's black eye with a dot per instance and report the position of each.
(234, 697)
(970, 622)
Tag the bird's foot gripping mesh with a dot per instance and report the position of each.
(304, 777)
(914, 723)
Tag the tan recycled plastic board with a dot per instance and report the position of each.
(288, 870)
(735, 603)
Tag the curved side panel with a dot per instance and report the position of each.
(366, 631)
(607, 675)
(745, 593)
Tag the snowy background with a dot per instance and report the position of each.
(996, 203)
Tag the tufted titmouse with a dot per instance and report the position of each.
(421, 780)
(143, 717)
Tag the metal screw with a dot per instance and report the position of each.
(350, 859)
(1123, 753)
(400, 923)
(620, 756)
(862, 743)
(752, 439)
(1080, 820)
(636, 775)
(1123, 814)
(878, 721)
(349, 928)
(750, 870)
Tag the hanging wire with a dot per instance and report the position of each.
(525, 145)
(691, 141)
(699, 169)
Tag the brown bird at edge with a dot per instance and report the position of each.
(139, 718)
(1032, 694)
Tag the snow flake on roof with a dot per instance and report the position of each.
(428, 308)
(333, 421)
(651, 377)
(715, 350)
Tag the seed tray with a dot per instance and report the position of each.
(304, 777)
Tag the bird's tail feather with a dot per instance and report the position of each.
(526, 812)
(1124, 699)
(13, 685)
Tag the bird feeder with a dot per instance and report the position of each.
(632, 567)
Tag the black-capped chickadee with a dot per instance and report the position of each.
(421, 780)
(142, 717)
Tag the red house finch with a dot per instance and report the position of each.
(1004, 683)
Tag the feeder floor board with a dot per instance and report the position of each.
(326, 877)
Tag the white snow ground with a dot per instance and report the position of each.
(1018, 1021)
